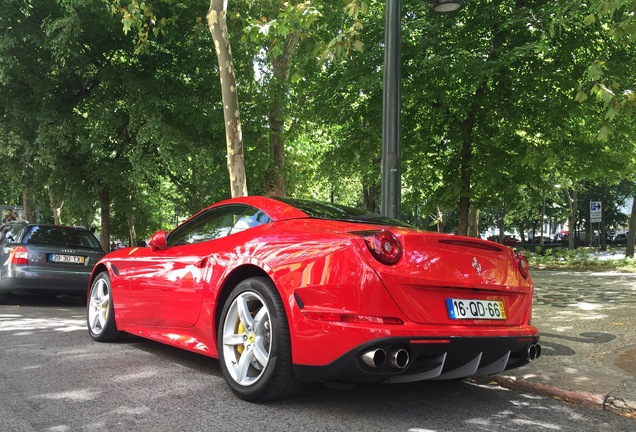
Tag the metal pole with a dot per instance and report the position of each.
(391, 188)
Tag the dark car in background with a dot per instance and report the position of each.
(44, 258)
(620, 239)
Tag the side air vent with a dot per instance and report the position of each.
(471, 244)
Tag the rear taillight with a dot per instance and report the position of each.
(384, 246)
(19, 256)
(524, 266)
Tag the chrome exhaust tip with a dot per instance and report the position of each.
(399, 359)
(374, 358)
(534, 351)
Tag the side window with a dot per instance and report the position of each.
(3, 235)
(251, 218)
(11, 233)
(216, 223)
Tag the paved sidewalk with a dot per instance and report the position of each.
(588, 336)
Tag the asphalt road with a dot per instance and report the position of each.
(53, 377)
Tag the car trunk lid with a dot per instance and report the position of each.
(53, 258)
(437, 270)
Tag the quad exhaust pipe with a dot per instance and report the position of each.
(378, 357)
(374, 358)
(534, 351)
(399, 359)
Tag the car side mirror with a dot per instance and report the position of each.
(158, 241)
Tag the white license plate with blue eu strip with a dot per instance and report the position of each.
(68, 259)
(475, 309)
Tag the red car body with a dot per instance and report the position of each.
(350, 316)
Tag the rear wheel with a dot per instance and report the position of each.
(100, 315)
(254, 343)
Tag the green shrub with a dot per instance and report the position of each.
(580, 259)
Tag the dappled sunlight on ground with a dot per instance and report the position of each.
(19, 322)
(23, 326)
(587, 306)
(510, 419)
(584, 321)
(71, 396)
(574, 316)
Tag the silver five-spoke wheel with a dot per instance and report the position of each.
(98, 306)
(100, 314)
(254, 342)
(247, 340)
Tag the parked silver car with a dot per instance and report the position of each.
(46, 258)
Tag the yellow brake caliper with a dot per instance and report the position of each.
(240, 330)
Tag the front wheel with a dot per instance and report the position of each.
(254, 343)
(100, 315)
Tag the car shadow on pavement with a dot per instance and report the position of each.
(45, 300)
(551, 348)
(191, 360)
(586, 337)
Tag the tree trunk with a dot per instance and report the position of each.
(28, 200)
(216, 19)
(132, 234)
(274, 182)
(370, 198)
(473, 222)
(573, 200)
(104, 235)
(464, 187)
(541, 241)
(56, 207)
(443, 216)
(281, 67)
(631, 235)
(502, 228)
(603, 226)
(29, 207)
(465, 162)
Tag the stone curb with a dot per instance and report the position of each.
(591, 400)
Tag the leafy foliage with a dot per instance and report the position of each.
(531, 98)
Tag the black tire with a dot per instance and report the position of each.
(255, 348)
(100, 314)
(3, 297)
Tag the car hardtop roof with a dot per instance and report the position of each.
(285, 208)
(275, 209)
(49, 225)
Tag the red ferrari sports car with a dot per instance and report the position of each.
(284, 291)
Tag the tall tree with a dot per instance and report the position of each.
(275, 28)
(217, 23)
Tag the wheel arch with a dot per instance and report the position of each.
(277, 380)
(234, 278)
(97, 270)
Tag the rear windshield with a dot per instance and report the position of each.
(323, 210)
(60, 236)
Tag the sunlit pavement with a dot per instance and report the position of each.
(588, 336)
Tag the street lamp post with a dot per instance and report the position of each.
(391, 187)
(390, 191)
